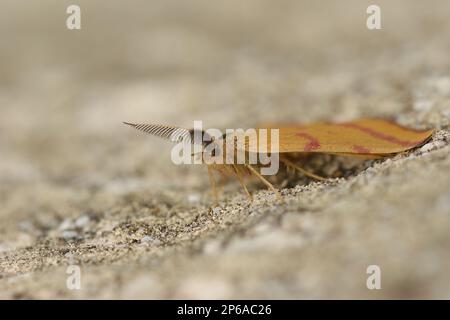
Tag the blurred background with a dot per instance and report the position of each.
(66, 155)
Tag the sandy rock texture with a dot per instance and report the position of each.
(77, 187)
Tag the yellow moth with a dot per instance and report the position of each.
(364, 138)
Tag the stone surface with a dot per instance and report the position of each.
(78, 187)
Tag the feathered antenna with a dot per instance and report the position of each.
(173, 134)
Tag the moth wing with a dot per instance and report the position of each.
(364, 137)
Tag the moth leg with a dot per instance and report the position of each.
(241, 181)
(289, 163)
(267, 183)
(213, 185)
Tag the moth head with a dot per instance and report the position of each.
(176, 134)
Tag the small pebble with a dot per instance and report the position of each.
(66, 224)
(149, 239)
(194, 198)
(69, 234)
(82, 221)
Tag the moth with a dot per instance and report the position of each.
(367, 138)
